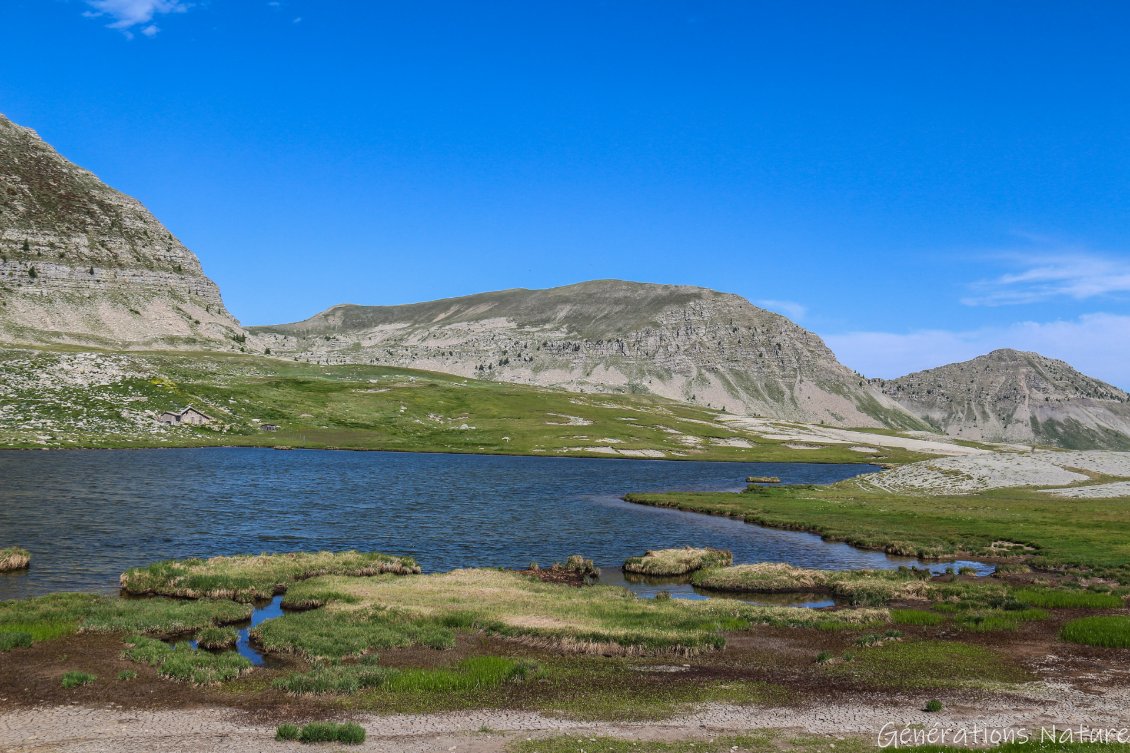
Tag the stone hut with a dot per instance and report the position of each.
(188, 416)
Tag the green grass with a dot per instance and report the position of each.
(357, 407)
(1096, 535)
(255, 577)
(325, 634)
(287, 732)
(669, 562)
(182, 662)
(10, 639)
(61, 614)
(77, 679)
(1049, 598)
(14, 558)
(472, 674)
(916, 617)
(214, 638)
(927, 664)
(993, 620)
(1109, 631)
(332, 732)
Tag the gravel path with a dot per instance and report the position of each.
(75, 729)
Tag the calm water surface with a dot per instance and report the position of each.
(87, 515)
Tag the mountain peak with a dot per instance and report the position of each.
(1017, 396)
(83, 263)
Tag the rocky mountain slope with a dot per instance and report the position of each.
(686, 343)
(1012, 396)
(82, 263)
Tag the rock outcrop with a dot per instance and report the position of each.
(1013, 396)
(686, 343)
(81, 263)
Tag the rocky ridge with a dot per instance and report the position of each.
(1014, 396)
(681, 342)
(81, 263)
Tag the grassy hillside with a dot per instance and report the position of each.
(67, 398)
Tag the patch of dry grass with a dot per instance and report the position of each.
(14, 558)
(599, 619)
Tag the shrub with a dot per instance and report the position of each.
(1107, 631)
(933, 706)
(77, 679)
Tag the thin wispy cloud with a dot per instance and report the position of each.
(1038, 278)
(128, 16)
(791, 309)
(1096, 344)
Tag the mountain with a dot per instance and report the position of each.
(680, 342)
(1013, 396)
(81, 263)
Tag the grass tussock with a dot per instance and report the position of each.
(598, 619)
(1108, 631)
(217, 638)
(181, 662)
(10, 639)
(253, 577)
(671, 562)
(77, 679)
(14, 558)
(322, 732)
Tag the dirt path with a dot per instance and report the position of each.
(77, 729)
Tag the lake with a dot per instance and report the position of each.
(87, 515)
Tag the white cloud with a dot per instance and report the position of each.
(791, 309)
(1096, 344)
(125, 15)
(1073, 275)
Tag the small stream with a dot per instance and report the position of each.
(259, 614)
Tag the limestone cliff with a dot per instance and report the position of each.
(681, 342)
(82, 263)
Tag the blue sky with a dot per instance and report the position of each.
(918, 182)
